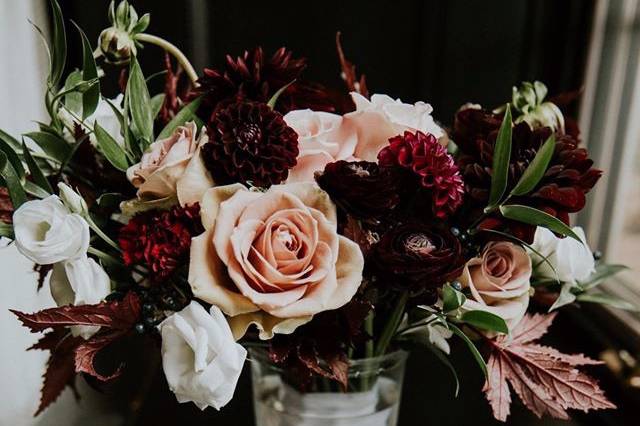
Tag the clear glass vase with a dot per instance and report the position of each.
(372, 398)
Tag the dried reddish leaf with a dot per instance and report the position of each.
(118, 315)
(50, 340)
(545, 379)
(86, 352)
(349, 74)
(42, 271)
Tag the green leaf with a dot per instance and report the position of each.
(452, 299)
(33, 189)
(156, 104)
(110, 148)
(536, 169)
(109, 199)
(142, 24)
(12, 156)
(565, 297)
(539, 218)
(59, 46)
(6, 230)
(139, 102)
(443, 358)
(52, 144)
(187, 113)
(486, 321)
(73, 99)
(13, 142)
(501, 158)
(472, 348)
(36, 173)
(603, 271)
(12, 181)
(606, 299)
(91, 97)
(272, 102)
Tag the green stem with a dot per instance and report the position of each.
(173, 50)
(102, 255)
(100, 233)
(392, 325)
(415, 326)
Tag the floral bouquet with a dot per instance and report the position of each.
(328, 231)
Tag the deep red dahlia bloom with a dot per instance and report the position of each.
(160, 239)
(437, 170)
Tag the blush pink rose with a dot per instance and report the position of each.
(322, 138)
(499, 281)
(274, 258)
(164, 163)
(382, 117)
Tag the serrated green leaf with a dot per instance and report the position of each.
(90, 97)
(139, 103)
(156, 104)
(536, 217)
(603, 271)
(36, 173)
(607, 299)
(472, 348)
(110, 148)
(12, 182)
(12, 156)
(486, 321)
(452, 299)
(59, 46)
(186, 114)
(52, 144)
(536, 169)
(501, 158)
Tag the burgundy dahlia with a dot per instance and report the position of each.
(257, 77)
(561, 191)
(417, 257)
(430, 161)
(364, 189)
(6, 207)
(249, 143)
(160, 239)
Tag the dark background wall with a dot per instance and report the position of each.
(446, 52)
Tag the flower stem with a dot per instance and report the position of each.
(392, 325)
(173, 50)
(100, 233)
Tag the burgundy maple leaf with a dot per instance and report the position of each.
(545, 379)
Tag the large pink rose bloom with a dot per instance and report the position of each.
(322, 138)
(274, 258)
(499, 281)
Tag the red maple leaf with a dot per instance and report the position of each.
(545, 379)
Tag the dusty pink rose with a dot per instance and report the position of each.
(274, 258)
(322, 139)
(164, 163)
(499, 281)
(382, 117)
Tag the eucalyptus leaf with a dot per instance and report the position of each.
(187, 113)
(59, 46)
(603, 271)
(139, 102)
(110, 148)
(452, 299)
(52, 144)
(501, 158)
(536, 217)
(91, 96)
(12, 181)
(36, 173)
(607, 299)
(486, 321)
(536, 169)
(472, 348)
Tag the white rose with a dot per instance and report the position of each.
(79, 281)
(322, 138)
(382, 117)
(201, 360)
(572, 260)
(46, 232)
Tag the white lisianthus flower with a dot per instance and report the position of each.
(72, 199)
(572, 260)
(79, 281)
(47, 232)
(200, 358)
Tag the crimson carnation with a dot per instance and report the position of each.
(249, 143)
(257, 77)
(160, 239)
(561, 191)
(430, 161)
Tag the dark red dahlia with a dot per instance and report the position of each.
(6, 207)
(249, 143)
(364, 189)
(257, 77)
(417, 257)
(422, 154)
(561, 191)
(160, 239)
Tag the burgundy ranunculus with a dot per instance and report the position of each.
(249, 143)
(364, 189)
(422, 154)
(417, 257)
(561, 191)
(160, 239)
